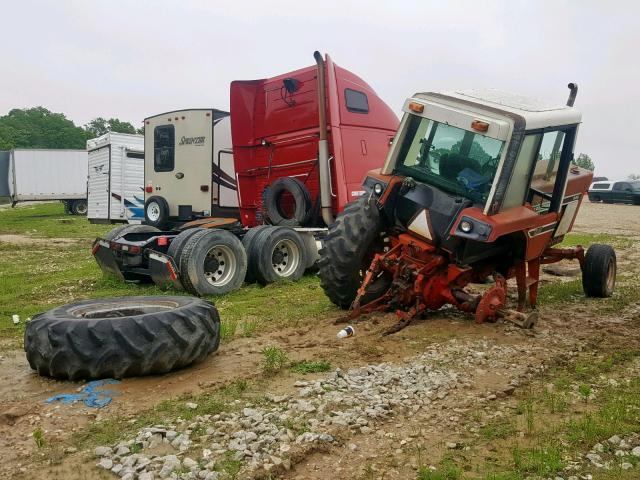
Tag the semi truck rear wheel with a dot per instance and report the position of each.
(123, 230)
(278, 253)
(121, 337)
(599, 272)
(248, 242)
(347, 252)
(213, 262)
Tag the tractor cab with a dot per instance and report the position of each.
(477, 187)
(477, 165)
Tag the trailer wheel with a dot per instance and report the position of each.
(79, 207)
(347, 252)
(123, 230)
(248, 242)
(121, 337)
(599, 272)
(288, 202)
(156, 211)
(212, 262)
(278, 253)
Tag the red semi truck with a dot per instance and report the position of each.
(302, 143)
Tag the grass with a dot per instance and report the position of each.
(38, 437)
(502, 428)
(566, 430)
(308, 366)
(275, 359)
(48, 220)
(35, 278)
(586, 239)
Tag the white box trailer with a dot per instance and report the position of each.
(44, 175)
(116, 178)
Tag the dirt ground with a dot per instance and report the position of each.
(385, 452)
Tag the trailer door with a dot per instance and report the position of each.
(98, 184)
(178, 159)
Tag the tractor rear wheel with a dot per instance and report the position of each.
(348, 250)
(599, 272)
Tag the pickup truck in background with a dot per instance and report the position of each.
(626, 191)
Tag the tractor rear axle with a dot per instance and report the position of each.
(421, 277)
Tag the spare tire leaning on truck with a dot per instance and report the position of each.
(274, 202)
(121, 337)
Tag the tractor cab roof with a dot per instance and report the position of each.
(533, 112)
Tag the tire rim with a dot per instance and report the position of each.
(219, 265)
(125, 308)
(153, 211)
(285, 258)
(82, 208)
(611, 276)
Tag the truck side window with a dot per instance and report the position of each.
(164, 148)
(356, 101)
(519, 185)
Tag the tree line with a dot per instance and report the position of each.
(38, 127)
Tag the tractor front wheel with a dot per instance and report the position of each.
(348, 250)
(599, 271)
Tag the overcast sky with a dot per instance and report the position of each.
(138, 58)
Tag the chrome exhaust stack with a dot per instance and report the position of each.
(323, 146)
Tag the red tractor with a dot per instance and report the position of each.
(477, 186)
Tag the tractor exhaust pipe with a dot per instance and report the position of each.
(323, 146)
(572, 95)
(573, 87)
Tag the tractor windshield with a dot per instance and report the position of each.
(456, 160)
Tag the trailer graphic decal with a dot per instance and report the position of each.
(136, 208)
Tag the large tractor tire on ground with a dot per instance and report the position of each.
(121, 337)
(278, 253)
(281, 191)
(212, 262)
(348, 249)
(123, 230)
(599, 271)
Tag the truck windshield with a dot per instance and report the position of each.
(635, 186)
(456, 160)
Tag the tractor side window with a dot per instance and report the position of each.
(519, 186)
(356, 101)
(164, 148)
(546, 170)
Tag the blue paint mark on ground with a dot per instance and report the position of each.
(89, 395)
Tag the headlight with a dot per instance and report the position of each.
(466, 226)
(377, 189)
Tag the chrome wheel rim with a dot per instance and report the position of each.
(82, 208)
(285, 258)
(153, 211)
(219, 265)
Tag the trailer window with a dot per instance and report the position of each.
(164, 148)
(356, 101)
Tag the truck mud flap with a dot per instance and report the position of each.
(163, 271)
(107, 259)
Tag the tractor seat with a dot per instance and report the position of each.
(451, 164)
